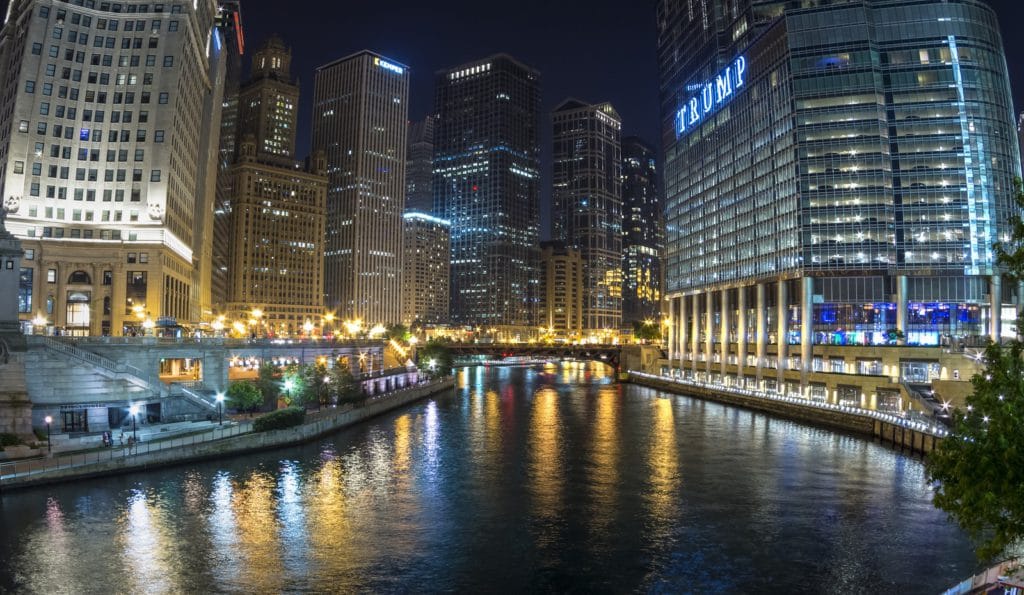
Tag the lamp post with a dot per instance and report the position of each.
(133, 411)
(40, 322)
(308, 327)
(220, 409)
(328, 320)
(48, 420)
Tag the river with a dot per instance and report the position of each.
(545, 478)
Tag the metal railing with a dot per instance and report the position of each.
(921, 424)
(28, 467)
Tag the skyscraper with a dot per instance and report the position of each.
(359, 121)
(643, 236)
(486, 183)
(419, 167)
(230, 23)
(105, 155)
(836, 174)
(587, 201)
(561, 290)
(277, 205)
(425, 278)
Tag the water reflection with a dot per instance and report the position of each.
(525, 479)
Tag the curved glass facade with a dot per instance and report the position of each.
(836, 173)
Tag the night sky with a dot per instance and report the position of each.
(596, 51)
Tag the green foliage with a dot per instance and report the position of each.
(244, 396)
(646, 331)
(344, 385)
(9, 440)
(282, 418)
(979, 470)
(293, 385)
(435, 358)
(269, 382)
(398, 332)
(315, 384)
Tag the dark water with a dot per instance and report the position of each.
(523, 479)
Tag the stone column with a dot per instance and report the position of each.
(761, 338)
(901, 303)
(741, 331)
(723, 349)
(118, 296)
(782, 314)
(96, 300)
(806, 330)
(671, 331)
(682, 336)
(695, 327)
(709, 329)
(995, 299)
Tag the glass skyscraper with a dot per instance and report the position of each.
(836, 173)
(486, 183)
(643, 232)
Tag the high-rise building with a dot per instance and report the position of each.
(230, 23)
(419, 167)
(277, 205)
(359, 121)
(561, 290)
(108, 140)
(835, 175)
(268, 102)
(587, 204)
(486, 183)
(425, 278)
(643, 237)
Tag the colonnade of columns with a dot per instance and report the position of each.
(692, 322)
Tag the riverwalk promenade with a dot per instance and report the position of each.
(222, 441)
(900, 432)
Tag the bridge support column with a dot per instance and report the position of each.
(741, 334)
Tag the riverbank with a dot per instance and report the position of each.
(231, 443)
(890, 429)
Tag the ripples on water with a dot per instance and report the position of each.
(525, 479)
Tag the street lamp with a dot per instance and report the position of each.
(148, 324)
(39, 321)
(48, 420)
(308, 327)
(220, 409)
(133, 411)
(328, 321)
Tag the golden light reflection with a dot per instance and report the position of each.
(605, 453)
(147, 543)
(259, 540)
(546, 473)
(55, 564)
(402, 443)
(664, 466)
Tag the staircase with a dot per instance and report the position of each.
(196, 393)
(114, 369)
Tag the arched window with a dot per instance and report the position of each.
(79, 278)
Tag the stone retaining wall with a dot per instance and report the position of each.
(895, 435)
(317, 425)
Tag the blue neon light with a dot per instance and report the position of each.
(711, 95)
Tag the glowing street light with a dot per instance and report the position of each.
(134, 411)
(220, 408)
(308, 327)
(148, 324)
(48, 420)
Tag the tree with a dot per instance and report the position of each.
(293, 385)
(344, 385)
(398, 332)
(244, 396)
(646, 330)
(435, 358)
(979, 470)
(269, 384)
(316, 383)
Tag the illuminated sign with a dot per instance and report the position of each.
(711, 95)
(395, 68)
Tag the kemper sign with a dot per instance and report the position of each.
(712, 95)
(395, 68)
